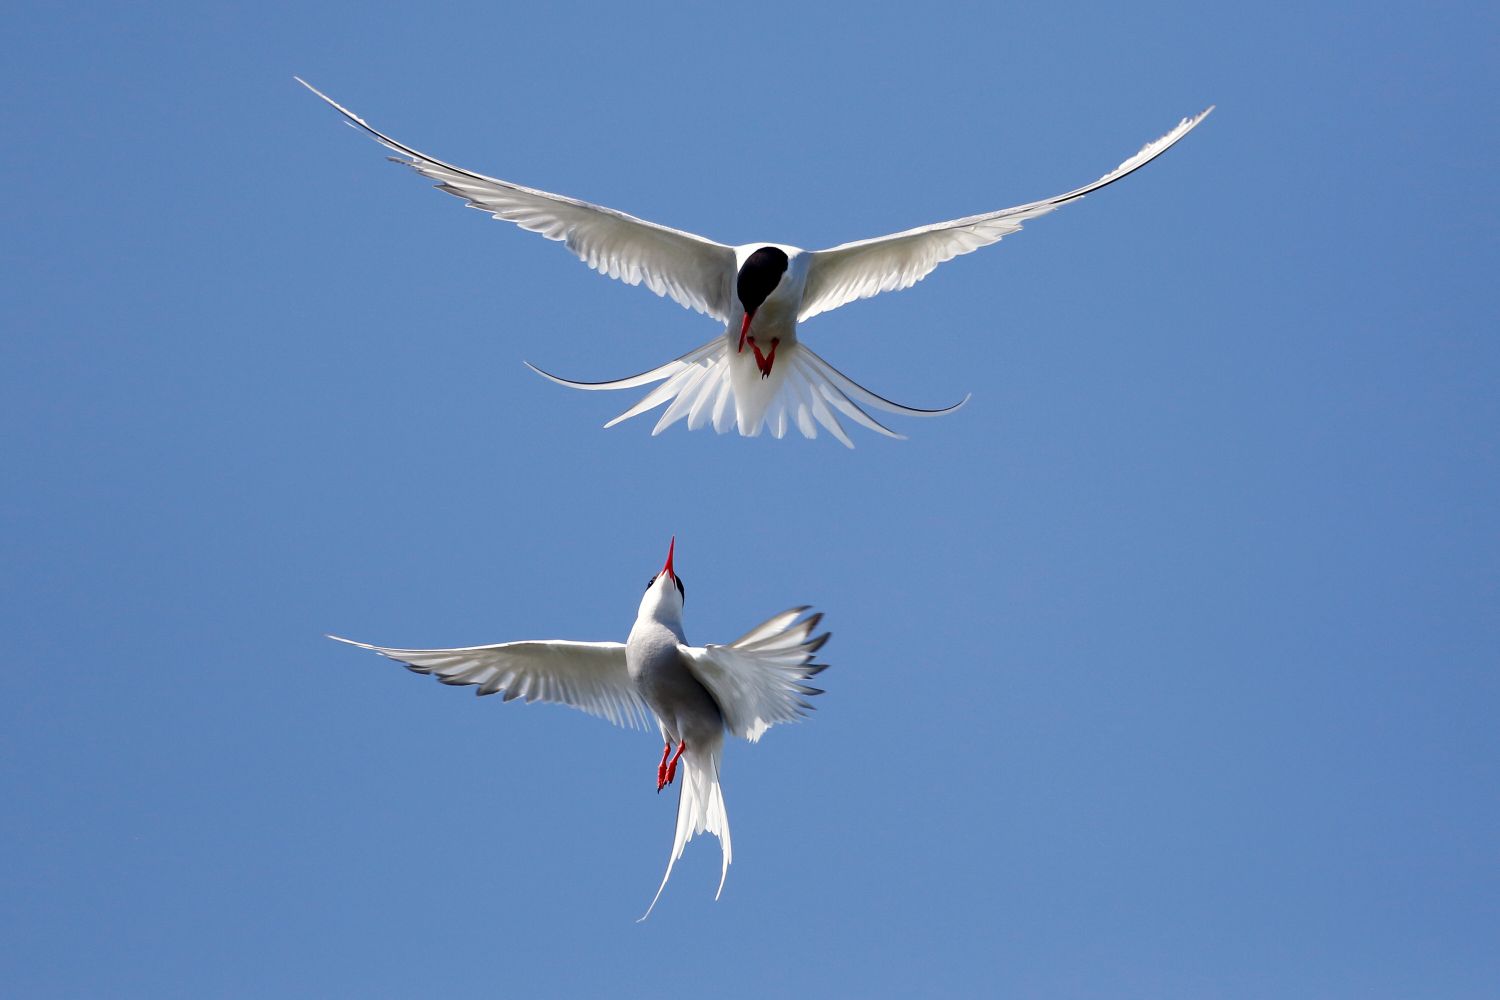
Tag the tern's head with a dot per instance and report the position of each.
(758, 278)
(665, 593)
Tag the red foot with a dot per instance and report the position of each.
(764, 361)
(669, 769)
(661, 769)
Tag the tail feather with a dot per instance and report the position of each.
(714, 384)
(844, 404)
(644, 378)
(700, 808)
(722, 409)
(657, 396)
(855, 391)
(697, 386)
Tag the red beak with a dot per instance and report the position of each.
(744, 329)
(667, 569)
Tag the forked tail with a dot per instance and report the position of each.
(700, 808)
(717, 385)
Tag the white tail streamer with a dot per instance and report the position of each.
(700, 809)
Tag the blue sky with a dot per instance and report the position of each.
(1166, 668)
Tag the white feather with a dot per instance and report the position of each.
(589, 676)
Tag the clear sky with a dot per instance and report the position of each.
(1167, 668)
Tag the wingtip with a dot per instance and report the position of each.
(315, 90)
(350, 117)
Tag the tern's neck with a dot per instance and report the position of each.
(661, 605)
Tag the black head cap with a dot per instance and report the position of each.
(758, 278)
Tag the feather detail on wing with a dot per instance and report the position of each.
(716, 385)
(693, 271)
(759, 679)
(864, 268)
(589, 676)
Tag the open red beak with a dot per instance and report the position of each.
(744, 329)
(667, 569)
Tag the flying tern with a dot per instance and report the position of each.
(693, 693)
(757, 374)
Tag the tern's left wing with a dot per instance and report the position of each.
(694, 271)
(888, 263)
(757, 680)
(589, 676)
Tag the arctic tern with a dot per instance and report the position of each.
(756, 374)
(694, 693)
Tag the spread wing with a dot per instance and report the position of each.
(758, 680)
(888, 263)
(694, 271)
(589, 676)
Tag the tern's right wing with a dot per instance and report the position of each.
(694, 271)
(758, 680)
(589, 676)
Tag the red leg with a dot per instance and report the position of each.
(661, 769)
(672, 767)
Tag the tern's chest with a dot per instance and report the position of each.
(777, 317)
(651, 652)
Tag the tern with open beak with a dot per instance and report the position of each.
(694, 693)
(756, 374)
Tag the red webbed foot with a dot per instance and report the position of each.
(661, 769)
(764, 361)
(672, 767)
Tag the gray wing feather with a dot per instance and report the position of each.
(759, 679)
(588, 676)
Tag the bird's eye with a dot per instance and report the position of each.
(681, 590)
